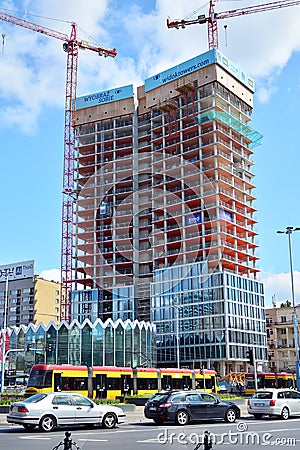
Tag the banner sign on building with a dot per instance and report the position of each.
(17, 271)
(180, 70)
(225, 215)
(194, 219)
(200, 61)
(99, 98)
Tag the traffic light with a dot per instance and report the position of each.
(250, 356)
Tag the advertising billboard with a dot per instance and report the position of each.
(99, 98)
(196, 63)
(17, 271)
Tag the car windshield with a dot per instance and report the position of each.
(263, 395)
(35, 398)
(159, 397)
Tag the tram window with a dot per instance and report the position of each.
(199, 384)
(147, 383)
(177, 383)
(48, 378)
(67, 383)
(113, 383)
(80, 384)
(270, 383)
(208, 383)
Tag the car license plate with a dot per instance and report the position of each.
(152, 408)
(258, 405)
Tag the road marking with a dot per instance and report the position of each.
(35, 437)
(93, 440)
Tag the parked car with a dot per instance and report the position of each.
(183, 407)
(274, 402)
(49, 410)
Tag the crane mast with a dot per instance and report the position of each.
(213, 17)
(71, 46)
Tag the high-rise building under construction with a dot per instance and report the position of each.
(164, 215)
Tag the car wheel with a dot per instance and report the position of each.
(47, 423)
(158, 421)
(230, 415)
(109, 420)
(182, 418)
(285, 413)
(28, 427)
(257, 416)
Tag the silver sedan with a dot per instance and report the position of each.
(49, 410)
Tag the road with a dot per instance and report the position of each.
(246, 433)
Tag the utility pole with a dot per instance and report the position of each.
(289, 231)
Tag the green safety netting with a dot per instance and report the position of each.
(253, 136)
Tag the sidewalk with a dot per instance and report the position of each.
(137, 416)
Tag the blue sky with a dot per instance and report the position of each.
(32, 88)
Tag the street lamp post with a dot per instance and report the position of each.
(289, 231)
(4, 334)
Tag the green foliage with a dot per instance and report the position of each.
(230, 397)
(286, 304)
(7, 399)
(107, 402)
(139, 396)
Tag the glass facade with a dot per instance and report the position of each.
(86, 304)
(205, 318)
(109, 344)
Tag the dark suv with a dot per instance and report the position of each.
(185, 406)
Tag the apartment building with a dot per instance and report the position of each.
(280, 337)
(165, 216)
(25, 297)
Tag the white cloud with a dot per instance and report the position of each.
(279, 284)
(33, 66)
(264, 93)
(51, 275)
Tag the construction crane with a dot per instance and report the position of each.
(71, 45)
(213, 17)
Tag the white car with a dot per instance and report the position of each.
(274, 402)
(49, 410)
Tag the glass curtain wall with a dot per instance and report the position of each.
(109, 344)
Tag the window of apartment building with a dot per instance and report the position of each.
(56, 310)
(13, 292)
(27, 308)
(283, 318)
(57, 292)
(26, 290)
(282, 330)
(57, 300)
